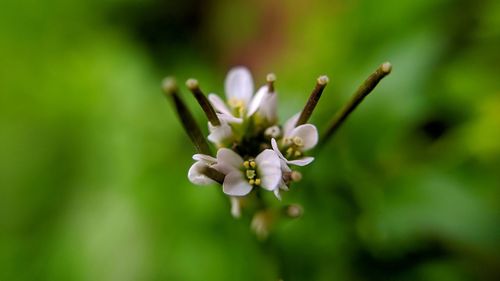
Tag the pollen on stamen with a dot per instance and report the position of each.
(246, 164)
(298, 141)
(257, 181)
(252, 164)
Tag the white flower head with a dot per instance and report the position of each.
(196, 173)
(295, 141)
(241, 103)
(220, 134)
(241, 176)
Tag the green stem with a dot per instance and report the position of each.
(363, 90)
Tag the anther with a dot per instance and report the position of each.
(257, 181)
(298, 141)
(252, 164)
(251, 182)
(194, 87)
(246, 164)
(272, 132)
(313, 100)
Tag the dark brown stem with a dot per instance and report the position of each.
(363, 90)
(187, 120)
(194, 87)
(312, 101)
(271, 77)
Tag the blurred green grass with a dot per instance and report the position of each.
(93, 162)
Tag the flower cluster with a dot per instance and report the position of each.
(254, 151)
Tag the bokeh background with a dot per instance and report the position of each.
(93, 162)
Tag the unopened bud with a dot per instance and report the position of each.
(296, 176)
(294, 211)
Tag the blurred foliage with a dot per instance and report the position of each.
(93, 162)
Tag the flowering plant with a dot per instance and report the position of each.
(254, 152)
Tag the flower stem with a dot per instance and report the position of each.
(363, 90)
(194, 87)
(171, 91)
(313, 100)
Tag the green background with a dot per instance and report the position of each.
(93, 161)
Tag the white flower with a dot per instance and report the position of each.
(242, 176)
(295, 141)
(239, 93)
(264, 104)
(196, 172)
(220, 134)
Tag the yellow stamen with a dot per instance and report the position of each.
(238, 106)
(246, 164)
(252, 164)
(298, 141)
(257, 181)
(251, 182)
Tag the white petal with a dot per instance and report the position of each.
(235, 207)
(268, 109)
(219, 134)
(235, 184)
(228, 161)
(204, 158)
(284, 166)
(269, 169)
(290, 124)
(239, 84)
(195, 174)
(277, 193)
(228, 118)
(308, 133)
(283, 186)
(274, 144)
(218, 104)
(302, 161)
(257, 100)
